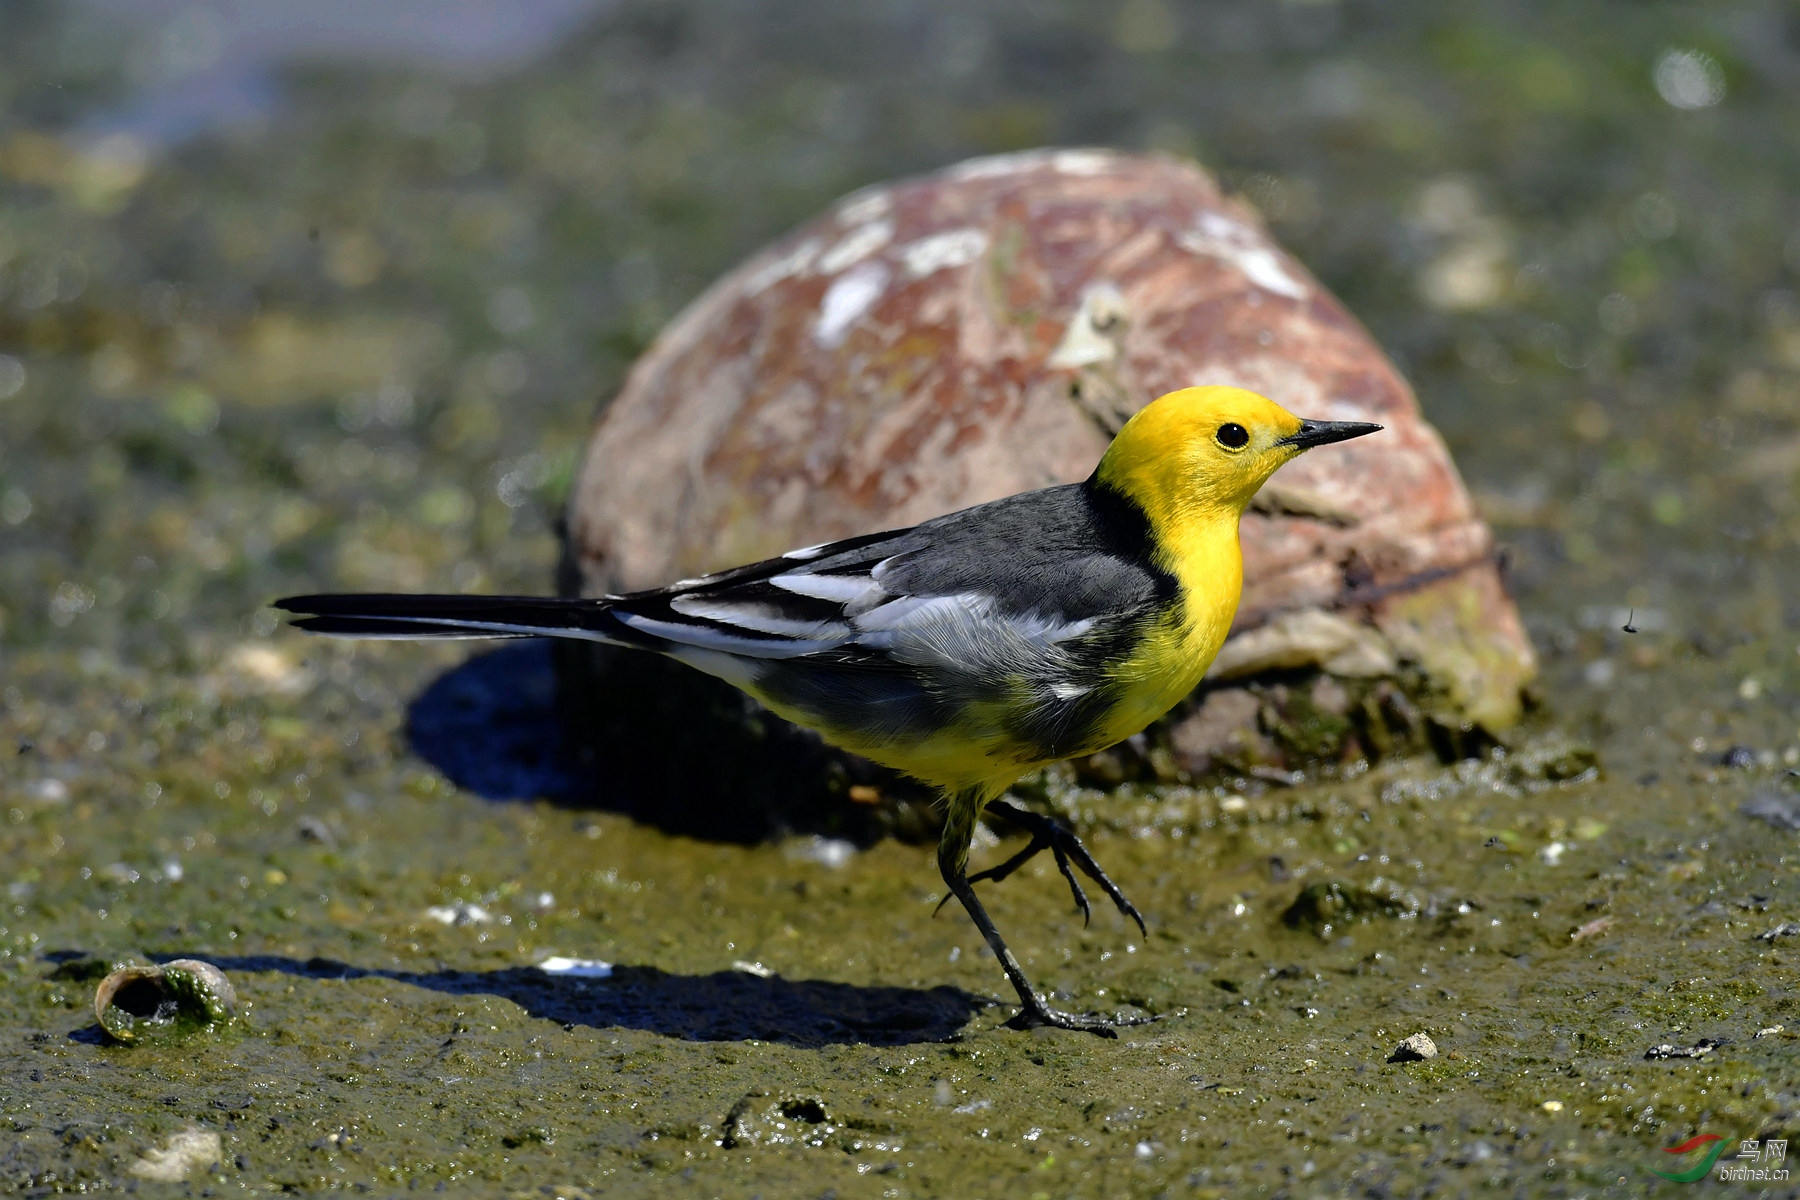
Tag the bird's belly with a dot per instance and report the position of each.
(1162, 673)
(955, 755)
(887, 717)
(975, 739)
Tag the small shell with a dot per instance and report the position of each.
(137, 1004)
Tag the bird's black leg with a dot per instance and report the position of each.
(1047, 833)
(1031, 851)
(953, 858)
(1020, 859)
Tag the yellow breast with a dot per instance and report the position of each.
(1209, 569)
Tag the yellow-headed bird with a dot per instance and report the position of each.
(970, 649)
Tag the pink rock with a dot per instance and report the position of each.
(937, 342)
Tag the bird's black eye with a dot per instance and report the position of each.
(1232, 436)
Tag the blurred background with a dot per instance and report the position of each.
(327, 294)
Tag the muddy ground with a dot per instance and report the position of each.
(353, 339)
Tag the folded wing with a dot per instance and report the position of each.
(997, 588)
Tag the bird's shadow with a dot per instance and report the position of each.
(592, 727)
(725, 1006)
(491, 725)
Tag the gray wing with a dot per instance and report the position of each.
(978, 588)
(1013, 607)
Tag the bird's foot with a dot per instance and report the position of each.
(1047, 833)
(1036, 1014)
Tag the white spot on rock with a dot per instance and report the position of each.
(787, 266)
(856, 245)
(952, 248)
(1218, 236)
(1093, 333)
(849, 298)
(996, 165)
(1082, 162)
(865, 205)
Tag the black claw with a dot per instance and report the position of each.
(1130, 910)
(1012, 864)
(1047, 833)
(1053, 1019)
(1033, 1016)
(1081, 900)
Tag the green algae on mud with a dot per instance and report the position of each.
(775, 1022)
(1615, 368)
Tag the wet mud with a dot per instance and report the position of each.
(358, 346)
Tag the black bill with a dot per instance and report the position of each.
(1323, 433)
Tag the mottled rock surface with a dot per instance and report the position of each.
(947, 340)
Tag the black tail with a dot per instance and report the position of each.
(387, 615)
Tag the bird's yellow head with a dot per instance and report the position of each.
(1204, 451)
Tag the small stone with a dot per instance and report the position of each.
(1593, 928)
(459, 914)
(1416, 1048)
(1699, 1049)
(1327, 906)
(1222, 728)
(1740, 758)
(176, 1159)
(312, 829)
